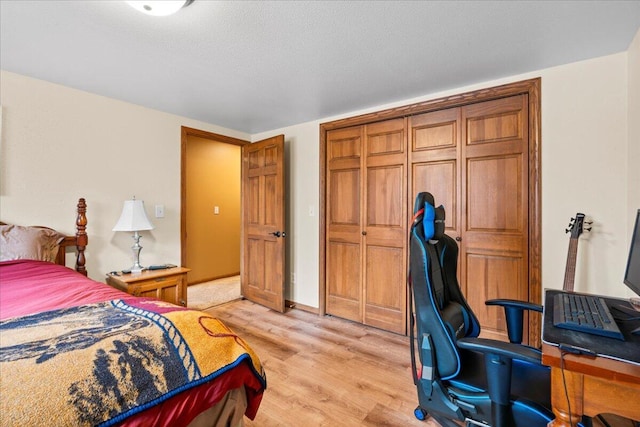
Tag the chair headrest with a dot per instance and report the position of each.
(432, 217)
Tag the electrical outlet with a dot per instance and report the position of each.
(216, 210)
(159, 211)
(312, 211)
(293, 277)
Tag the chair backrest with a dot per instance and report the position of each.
(440, 308)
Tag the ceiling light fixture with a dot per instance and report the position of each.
(159, 8)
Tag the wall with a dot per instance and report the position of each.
(585, 134)
(60, 144)
(212, 179)
(588, 165)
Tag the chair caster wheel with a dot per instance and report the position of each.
(420, 413)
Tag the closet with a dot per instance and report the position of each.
(478, 153)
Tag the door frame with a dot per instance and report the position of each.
(531, 87)
(186, 132)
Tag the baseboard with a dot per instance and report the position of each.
(293, 304)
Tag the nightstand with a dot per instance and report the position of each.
(169, 285)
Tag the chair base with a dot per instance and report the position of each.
(474, 409)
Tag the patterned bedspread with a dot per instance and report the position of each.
(98, 364)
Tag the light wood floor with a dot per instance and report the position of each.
(325, 371)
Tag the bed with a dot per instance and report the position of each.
(74, 351)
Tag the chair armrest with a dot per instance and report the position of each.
(505, 349)
(513, 310)
(522, 305)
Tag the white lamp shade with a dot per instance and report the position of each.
(158, 8)
(133, 217)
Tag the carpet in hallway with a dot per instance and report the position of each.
(216, 292)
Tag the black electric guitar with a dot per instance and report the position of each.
(576, 228)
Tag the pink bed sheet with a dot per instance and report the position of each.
(28, 287)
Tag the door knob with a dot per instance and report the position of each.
(458, 239)
(275, 233)
(364, 233)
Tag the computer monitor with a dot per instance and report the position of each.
(632, 273)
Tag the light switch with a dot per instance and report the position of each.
(216, 210)
(159, 211)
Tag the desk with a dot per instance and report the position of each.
(595, 385)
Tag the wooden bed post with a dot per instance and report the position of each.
(81, 236)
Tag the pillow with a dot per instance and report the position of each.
(38, 243)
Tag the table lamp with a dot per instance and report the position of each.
(134, 218)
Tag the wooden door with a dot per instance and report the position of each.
(366, 224)
(474, 160)
(263, 223)
(385, 226)
(495, 180)
(343, 223)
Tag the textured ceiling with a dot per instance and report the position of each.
(256, 66)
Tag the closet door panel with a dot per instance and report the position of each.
(344, 144)
(495, 242)
(491, 271)
(344, 290)
(384, 289)
(498, 121)
(434, 131)
(434, 141)
(345, 189)
(385, 138)
(494, 200)
(344, 223)
(440, 177)
(384, 191)
(385, 222)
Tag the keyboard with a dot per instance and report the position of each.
(584, 313)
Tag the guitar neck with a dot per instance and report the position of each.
(570, 271)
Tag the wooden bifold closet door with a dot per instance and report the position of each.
(366, 224)
(478, 154)
(474, 160)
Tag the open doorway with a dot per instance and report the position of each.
(210, 205)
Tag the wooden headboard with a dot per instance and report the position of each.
(80, 240)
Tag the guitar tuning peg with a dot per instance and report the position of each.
(566, 230)
(587, 228)
(588, 222)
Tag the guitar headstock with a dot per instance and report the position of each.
(576, 226)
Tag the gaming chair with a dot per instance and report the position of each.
(459, 376)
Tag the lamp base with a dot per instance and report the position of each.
(136, 270)
(136, 248)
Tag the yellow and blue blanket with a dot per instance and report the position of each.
(98, 364)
